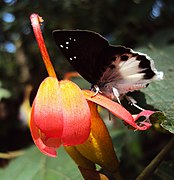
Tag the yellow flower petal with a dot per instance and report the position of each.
(98, 148)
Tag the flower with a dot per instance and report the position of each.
(60, 113)
(53, 121)
(63, 114)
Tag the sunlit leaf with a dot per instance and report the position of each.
(161, 94)
(34, 165)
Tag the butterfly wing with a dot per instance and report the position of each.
(128, 71)
(83, 50)
(115, 69)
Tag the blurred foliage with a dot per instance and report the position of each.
(35, 165)
(140, 24)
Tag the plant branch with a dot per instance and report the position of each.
(156, 161)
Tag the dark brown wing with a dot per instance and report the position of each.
(83, 50)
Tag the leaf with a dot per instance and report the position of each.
(160, 94)
(34, 165)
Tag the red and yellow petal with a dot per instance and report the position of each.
(76, 114)
(98, 148)
(116, 109)
(47, 109)
(36, 135)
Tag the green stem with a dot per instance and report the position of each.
(146, 173)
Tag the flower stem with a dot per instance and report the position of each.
(35, 22)
(156, 161)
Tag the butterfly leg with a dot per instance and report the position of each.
(133, 102)
(116, 94)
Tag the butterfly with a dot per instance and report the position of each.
(112, 70)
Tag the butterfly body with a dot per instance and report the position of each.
(115, 70)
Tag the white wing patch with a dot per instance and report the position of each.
(129, 64)
(133, 78)
(129, 70)
(125, 75)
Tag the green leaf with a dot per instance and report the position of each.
(160, 94)
(34, 165)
